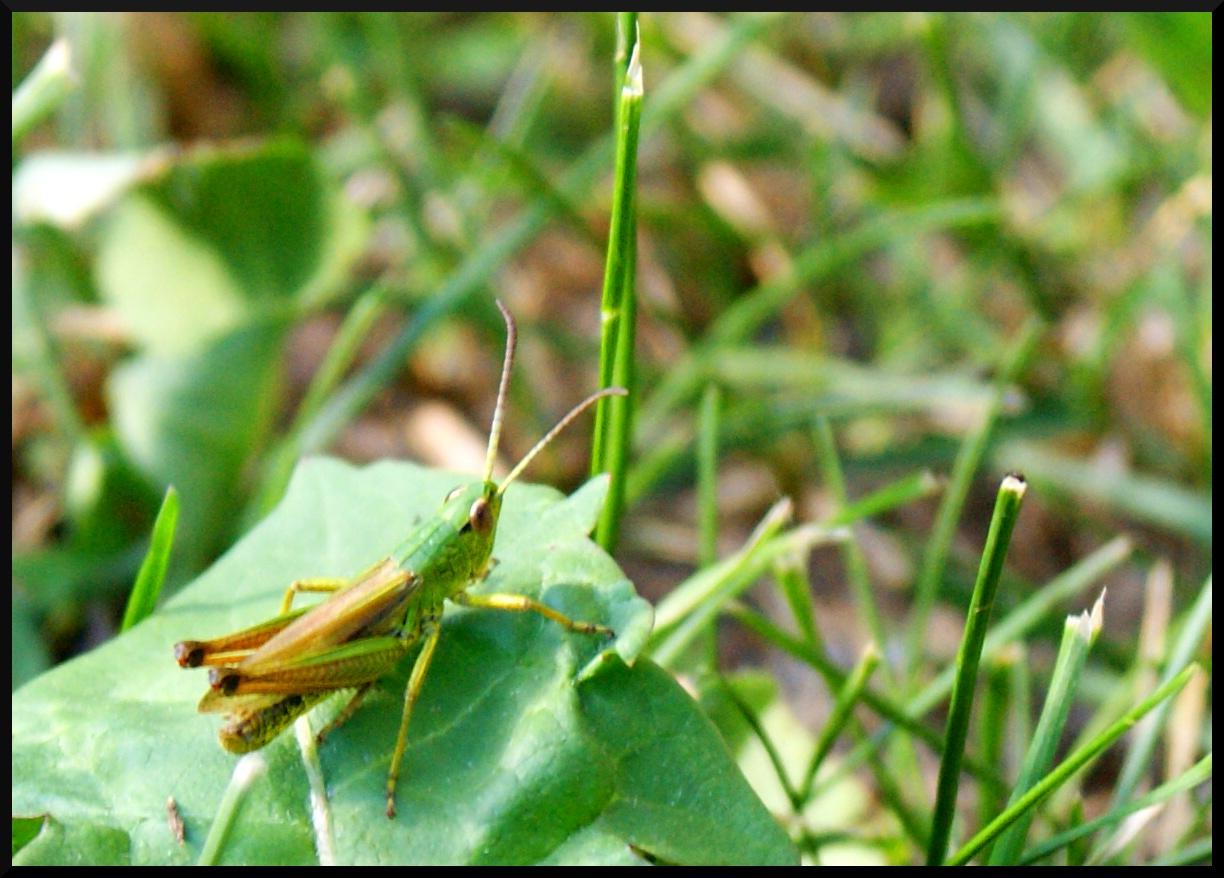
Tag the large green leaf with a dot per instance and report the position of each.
(222, 237)
(529, 743)
(207, 263)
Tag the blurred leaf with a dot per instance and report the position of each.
(528, 743)
(1178, 44)
(29, 653)
(207, 265)
(193, 421)
(65, 189)
(108, 503)
(225, 236)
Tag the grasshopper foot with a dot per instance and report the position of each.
(592, 628)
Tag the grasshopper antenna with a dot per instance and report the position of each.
(499, 409)
(561, 425)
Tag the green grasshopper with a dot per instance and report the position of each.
(266, 676)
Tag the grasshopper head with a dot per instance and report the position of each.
(473, 510)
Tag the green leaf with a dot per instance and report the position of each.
(222, 237)
(207, 265)
(29, 652)
(528, 744)
(1178, 45)
(192, 421)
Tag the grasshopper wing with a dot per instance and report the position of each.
(372, 605)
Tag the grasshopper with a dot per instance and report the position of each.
(265, 677)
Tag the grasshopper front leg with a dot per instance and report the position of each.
(517, 603)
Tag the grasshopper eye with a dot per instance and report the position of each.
(479, 517)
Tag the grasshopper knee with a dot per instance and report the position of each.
(224, 680)
(189, 653)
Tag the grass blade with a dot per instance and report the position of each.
(618, 308)
(1197, 774)
(707, 475)
(1079, 633)
(1007, 509)
(44, 89)
(967, 461)
(152, 574)
(847, 698)
(1070, 766)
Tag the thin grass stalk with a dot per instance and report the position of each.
(618, 309)
(852, 555)
(992, 723)
(1070, 766)
(843, 708)
(354, 330)
(248, 769)
(707, 498)
(966, 465)
(903, 756)
(1079, 633)
(320, 810)
(707, 475)
(44, 88)
(790, 572)
(977, 620)
(1016, 624)
(771, 751)
(473, 274)
(1200, 772)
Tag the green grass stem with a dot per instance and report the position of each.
(977, 620)
(968, 459)
(1079, 633)
(358, 322)
(847, 698)
(1070, 766)
(707, 475)
(1192, 777)
(618, 305)
(44, 89)
(248, 769)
